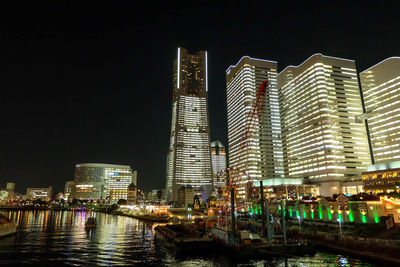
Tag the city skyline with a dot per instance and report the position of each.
(110, 85)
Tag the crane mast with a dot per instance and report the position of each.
(254, 116)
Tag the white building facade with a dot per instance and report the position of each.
(262, 157)
(323, 141)
(381, 90)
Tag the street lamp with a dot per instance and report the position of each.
(340, 227)
(298, 217)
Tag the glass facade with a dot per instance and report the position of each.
(101, 181)
(322, 139)
(262, 157)
(382, 181)
(189, 159)
(218, 159)
(381, 90)
(118, 183)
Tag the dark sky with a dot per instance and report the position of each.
(83, 81)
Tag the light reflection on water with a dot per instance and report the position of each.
(60, 238)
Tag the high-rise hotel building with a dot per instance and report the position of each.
(322, 139)
(381, 89)
(189, 158)
(218, 160)
(261, 158)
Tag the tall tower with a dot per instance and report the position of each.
(218, 159)
(322, 139)
(262, 159)
(381, 89)
(189, 158)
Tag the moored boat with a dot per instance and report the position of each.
(91, 223)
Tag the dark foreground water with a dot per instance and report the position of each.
(55, 238)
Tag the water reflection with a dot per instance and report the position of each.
(60, 238)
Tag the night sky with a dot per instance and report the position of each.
(93, 82)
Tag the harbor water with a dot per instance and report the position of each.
(59, 238)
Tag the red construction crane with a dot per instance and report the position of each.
(254, 117)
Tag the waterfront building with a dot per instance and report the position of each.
(42, 193)
(132, 194)
(383, 178)
(381, 90)
(323, 143)
(118, 182)
(8, 193)
(186, 195)
(218, 160)
(289, 191)
(101, 181)
(69, 190)
(261, 158)
(360, 208)
(3, 196)
(189, 157)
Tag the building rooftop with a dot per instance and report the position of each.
(217, 144)
(102, 165)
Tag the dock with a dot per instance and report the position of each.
(185, 239)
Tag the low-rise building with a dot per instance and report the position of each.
(382, 178)
(352, 186)
(3, 197)
(132, 194)
(360, 208)
(290, 192)
(42, 193)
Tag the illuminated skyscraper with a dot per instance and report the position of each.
(189, 159)
(262, 158)
(322, 139)
(218, 159)
(381, 89)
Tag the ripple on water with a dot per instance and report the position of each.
(60, 238)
